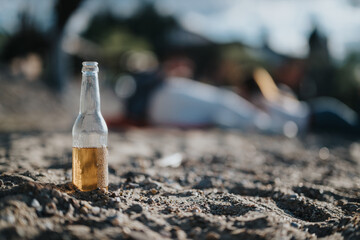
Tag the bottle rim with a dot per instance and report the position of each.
(90, 66)
(89, 63)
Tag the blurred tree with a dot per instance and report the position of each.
(148, 30)
(347, 81)
(145, 26)
(29, 39)
(26, 40)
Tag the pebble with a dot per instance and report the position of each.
(86, 204)
(50, 208)
(55, 200)
(118, 220)
(204, 183)
(111, 212)
(66, 197)
(35, 204)
(126, 231)
(56, 193)
(212, 236)
(133, 185)
(153, 191)
(137, 208)
(196, 209)
(294, 224)
(150, 184)
(195, 232)
(70, 211)
(10, 218)
(75, 202)
(117, 205)
(84, 210)
(95, 210)
(292, 197)
(180, 234)
(48, 225)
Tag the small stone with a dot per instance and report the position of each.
(117, 205)
(86, 204)
(341, 202)
(294, 224)
(118, 220)
(153, 191)
(35, 204)
(56, 193)
(149, 184)
(70, 211)
(48, 225)
(79, 230)
(205, 183)
(111, 212)
(10, 218)
(180, 234)
(75, 202)
(66, 197)
(195, 232)
(137, 208)
(50, 208)
(133, 185)
(212, 236)
(84, 210)
(293, 197)
(126, 231)
(95, 210)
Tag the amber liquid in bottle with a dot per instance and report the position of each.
(89, 168)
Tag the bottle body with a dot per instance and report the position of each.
(89, 158)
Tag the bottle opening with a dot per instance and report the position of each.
(90, 67)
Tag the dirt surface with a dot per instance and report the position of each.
(172, 184)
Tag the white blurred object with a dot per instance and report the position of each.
(187, 103)
(173, 160)
(288, 115)
(125, 86)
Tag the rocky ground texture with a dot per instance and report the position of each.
(172, 184)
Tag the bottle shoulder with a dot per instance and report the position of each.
(90, 122)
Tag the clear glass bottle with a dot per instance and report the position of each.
(90, 133)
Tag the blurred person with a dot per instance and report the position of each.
(152, 97)
(319, 114)
(161, 100)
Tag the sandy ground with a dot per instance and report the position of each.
(172, 184)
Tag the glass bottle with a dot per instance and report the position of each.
(89, 157)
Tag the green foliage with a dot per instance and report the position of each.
(119, 40)
(347, 80)
(3, 39)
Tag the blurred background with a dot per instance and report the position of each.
(309, 49)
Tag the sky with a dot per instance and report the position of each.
(286, 24)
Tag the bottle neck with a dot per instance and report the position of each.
(90, 95)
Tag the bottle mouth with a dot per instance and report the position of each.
(90, 67)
